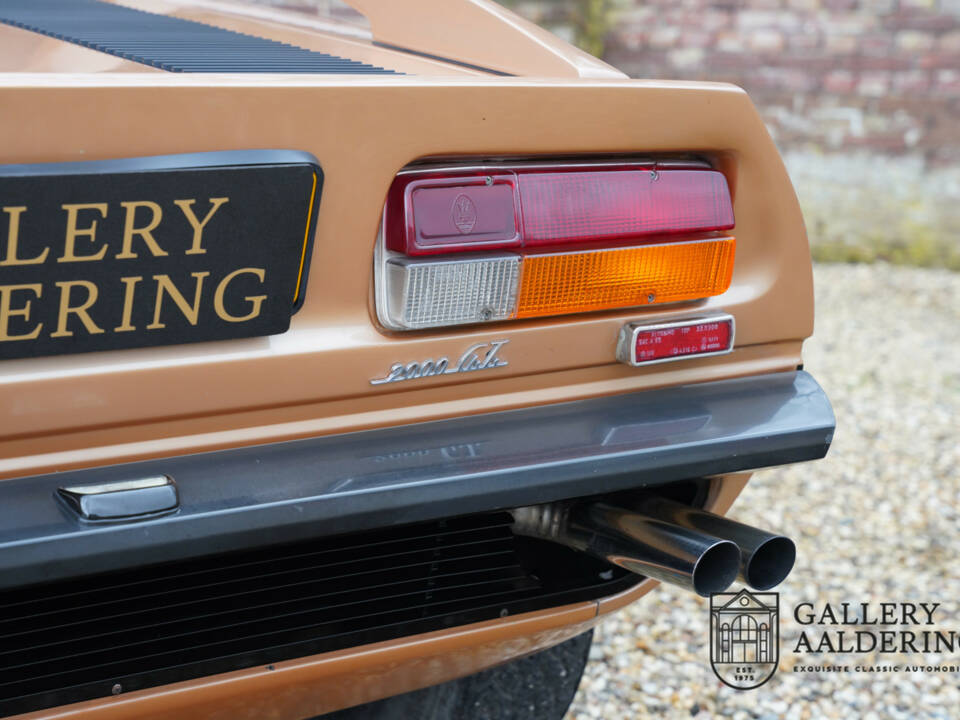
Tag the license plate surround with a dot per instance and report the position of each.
(102, 224)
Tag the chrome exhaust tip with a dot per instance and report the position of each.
(766, 558)
(666, 540)
(768, 564)
(647, 546)
(716, 569)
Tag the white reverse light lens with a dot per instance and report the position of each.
(433, 293)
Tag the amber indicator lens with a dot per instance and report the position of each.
(641, 343)
(624, 277)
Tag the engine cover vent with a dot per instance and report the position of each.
(170, 43)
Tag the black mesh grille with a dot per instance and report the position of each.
(73, 640)
(169, 43)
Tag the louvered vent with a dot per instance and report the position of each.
(74, 640)
(170, 43)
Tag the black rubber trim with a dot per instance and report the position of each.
(170, 43)
(177, 161)
(283, 492)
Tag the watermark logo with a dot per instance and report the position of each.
(744, 637)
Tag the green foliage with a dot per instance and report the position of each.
(909, 235)
(864, 209)
(924, 248)
(592, 20)
(589, 20)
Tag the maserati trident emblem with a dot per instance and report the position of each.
(744, 637)
(480, 356)
(464, 213)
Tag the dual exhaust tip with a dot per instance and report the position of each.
(668, 541)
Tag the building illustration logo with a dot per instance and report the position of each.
(744, 637)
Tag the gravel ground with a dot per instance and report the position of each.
(876, 521)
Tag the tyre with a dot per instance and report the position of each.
(538, 687)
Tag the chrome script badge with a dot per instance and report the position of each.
(481, 356)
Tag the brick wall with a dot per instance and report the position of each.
(862, 96)
(877, 75)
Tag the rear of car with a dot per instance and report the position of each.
(338, 364)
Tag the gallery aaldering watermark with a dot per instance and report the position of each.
(745, 639)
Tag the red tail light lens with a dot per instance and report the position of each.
(432, 212)
(442, 213)
(581, 207)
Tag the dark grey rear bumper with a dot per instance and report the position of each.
(336, 484)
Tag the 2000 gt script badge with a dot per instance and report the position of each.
(140, 252)
(481, 356)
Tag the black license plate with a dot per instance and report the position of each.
(153, 251)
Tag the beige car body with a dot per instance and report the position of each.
(66, 103)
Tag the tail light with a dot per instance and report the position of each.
(490, 244)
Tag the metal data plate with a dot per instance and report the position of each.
(153, 251)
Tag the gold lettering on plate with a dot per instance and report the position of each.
(141, 219)
(255, 300)
(481, 356)
(13, 237)
(73, 232)
(186, 206)
(66, 309)
(145, 232)
(77, 299)
(130, 284)
(165, 286)
(6, 311)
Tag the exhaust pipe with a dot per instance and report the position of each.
(766, 558)
(644, 545)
